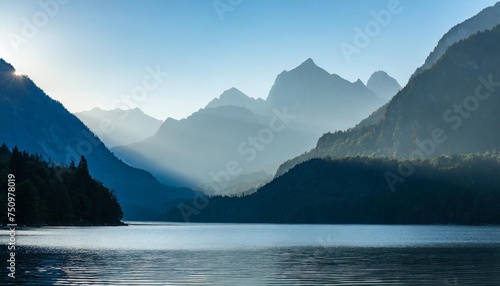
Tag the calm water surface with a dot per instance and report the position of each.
(256, 254)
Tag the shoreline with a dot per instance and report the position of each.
(64, 225)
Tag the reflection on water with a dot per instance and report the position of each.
(327, 261)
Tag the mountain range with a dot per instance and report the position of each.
(234, 97)
(430, 155)
(254, 134)
(32, 121)
(119, 127)
(197, 150)
(233, 128)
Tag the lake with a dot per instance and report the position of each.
(256, 254)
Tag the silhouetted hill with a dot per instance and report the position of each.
(119, 127)
(36, 123)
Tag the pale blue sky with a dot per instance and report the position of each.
(88, 53)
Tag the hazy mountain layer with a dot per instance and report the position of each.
(223, 145)
(254, 134)
(118, 126)
(234, 97)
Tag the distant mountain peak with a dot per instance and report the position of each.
(359, 82)
(138, 110)
(308, 65)
(232, 96)
(98, 109)
(309, 62)
(233, 92)
(307, 69)
(324, 101)
(233, 89)
(379, 73)
(128, 126)
(235, 97)
(383, 85)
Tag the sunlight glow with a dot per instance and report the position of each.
(18, 73)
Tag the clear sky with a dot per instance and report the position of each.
(89, 53)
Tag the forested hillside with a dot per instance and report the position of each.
(445, 190)
(55, 195)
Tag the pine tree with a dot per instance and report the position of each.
(4, 153)
(83, 165)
